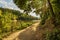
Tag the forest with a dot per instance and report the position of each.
(49, 11)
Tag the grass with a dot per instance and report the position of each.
(19, 25)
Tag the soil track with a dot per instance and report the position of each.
(25, 34)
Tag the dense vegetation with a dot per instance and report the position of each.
(13, 20)
(49, 11)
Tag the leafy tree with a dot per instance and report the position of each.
(48, 10)
(44, 6)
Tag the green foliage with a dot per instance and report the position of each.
(25, 4)
(46, 14)
(54, 35)
(13, 20)
(56, 8)
(44, 17)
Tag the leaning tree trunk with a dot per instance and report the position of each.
(52, 12)
(50, 6)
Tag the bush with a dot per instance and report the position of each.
(54, 35)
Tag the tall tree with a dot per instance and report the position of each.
(40, 6)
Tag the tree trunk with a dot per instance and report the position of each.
(51, 9)
(52, 12)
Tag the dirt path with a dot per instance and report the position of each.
(25, 34)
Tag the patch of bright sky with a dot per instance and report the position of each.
(10, 4)
(34, 14)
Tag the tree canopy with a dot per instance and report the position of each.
(49, 11)
(43, 7)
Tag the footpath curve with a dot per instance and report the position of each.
(25, 34)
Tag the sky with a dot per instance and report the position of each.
(10, 4)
